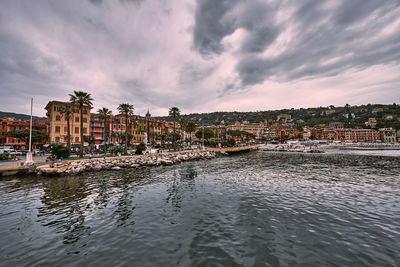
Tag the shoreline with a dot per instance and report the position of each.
(75, 167)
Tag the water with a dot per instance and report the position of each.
(257, 209)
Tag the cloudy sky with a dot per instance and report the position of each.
(200, 55)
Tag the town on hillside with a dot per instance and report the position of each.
(74, 124)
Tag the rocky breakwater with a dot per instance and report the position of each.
(74, 167)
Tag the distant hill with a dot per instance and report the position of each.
(17, 116)
(351, 116)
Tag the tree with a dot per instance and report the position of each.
(190, 128)
(127, 110)
(105, 114)
(23, 135)
(207, 134)
(82, 99)
(90, 140)
(68, 112)
(60, 151)
(140, 148)
(174, 112)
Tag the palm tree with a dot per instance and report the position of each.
(127, 110)
(68, 112)
(174, 112)
(190, 128)
(82, 99)
(105, 114)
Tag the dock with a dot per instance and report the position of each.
(231, 150)
(13, 170)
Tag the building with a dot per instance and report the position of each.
(371, 122)
(57, 129)
(141, 129)
(97, 130)
(388, 117)
(342, 134)
(336, 125)
(388, 135)
(283, 117)
(365, 135)
(10, 124)
(256, 129)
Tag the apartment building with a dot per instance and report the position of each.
(57, 124)
(10, 124)
(256, 129)
(97, 130)
(141, 129)
(388, 135)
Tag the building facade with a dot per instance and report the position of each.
(388, 135)
(57, 123)
(10, 124)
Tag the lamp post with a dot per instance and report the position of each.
(29, 159)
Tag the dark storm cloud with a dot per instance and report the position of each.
(217, 19)
(198, 55)
(328, 37)
(96, 2)
(211, 25)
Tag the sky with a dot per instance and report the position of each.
(199, 55)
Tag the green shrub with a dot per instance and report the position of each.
(140, 148)
(115, 149)
(60, 151)
(4, 156)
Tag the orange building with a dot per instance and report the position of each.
(141, 129)
(57, 124)
(10, 124)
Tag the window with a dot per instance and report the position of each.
(84, 111)
(76, 130)
(76, 139)
(57, 129)
(58, 117)
(84, 120)
(76, 119)
(84, 130)
(55, 108)
(65, 130)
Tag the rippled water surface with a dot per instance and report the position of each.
(257, 209)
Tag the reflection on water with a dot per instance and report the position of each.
(257, 209)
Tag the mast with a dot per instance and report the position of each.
(29, 159)
(30, 129)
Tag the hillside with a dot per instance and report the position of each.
(309, 116)
(17, 116)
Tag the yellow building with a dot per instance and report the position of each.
(257, 129)
(388, 135)
(57, 124)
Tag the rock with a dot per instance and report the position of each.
(116, 168)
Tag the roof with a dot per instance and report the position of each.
(55, 102)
